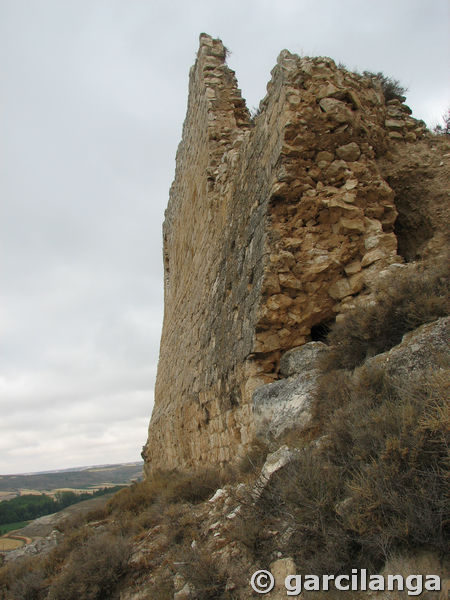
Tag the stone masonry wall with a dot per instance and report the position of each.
(273, 227)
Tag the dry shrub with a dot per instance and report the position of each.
(356, 431)
(249, 528)
(167, 487)
(97, 514)
(304, 497)
(132, 499)
(443, 129)
(23, 579)
(201, 570)
(162, 587)
(422, 562)
(93, 570)
(148, 518)
(75, 522)
(391, 442)
(392, 88)
(295, 514)
(403, 302)
(332, 392)
(253, 461)
(72, 523)
(76, 533)
(31, 586)
(376, 484)
(193, 487)
(299, 435)
(179, 525)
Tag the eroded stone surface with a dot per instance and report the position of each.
(299, 360)
(279, 406)
(419, 350)
(274, 462)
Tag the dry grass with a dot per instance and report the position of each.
(167, 487)
(202, 571)
(23, 579)
(93, 570)
(253, 461)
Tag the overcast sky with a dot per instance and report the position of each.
(92, 99)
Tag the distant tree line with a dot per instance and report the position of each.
(32, 506)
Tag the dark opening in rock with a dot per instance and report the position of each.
(320, 331)
(413, 226)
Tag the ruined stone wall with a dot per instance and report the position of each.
(207, 332)
(273, 228)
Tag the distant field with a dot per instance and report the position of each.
(85, 479)
(52, 493)
(9, 544)
(7, 495)
(12, 526)
(44, 525)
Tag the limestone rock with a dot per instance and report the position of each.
(220, 494)
(283, 404)
(336, 110)
(186, 593)
(41, 545)
(178, 582)
(340, 289)
(417, 350)
(299, 360)
(274, 462)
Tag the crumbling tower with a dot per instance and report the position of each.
(274, 226)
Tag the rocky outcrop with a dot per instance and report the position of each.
(275, 226)
(421, 349)
(279, 406)
(274, 462)
(299, 360)
(285, 405)
(41, 545)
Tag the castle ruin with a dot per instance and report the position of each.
(275, 225)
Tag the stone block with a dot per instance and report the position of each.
(349, 152)
(350, 226)
(394, 124)
(372, 256)
(336, 110)
(353, 267)
(340, 289)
